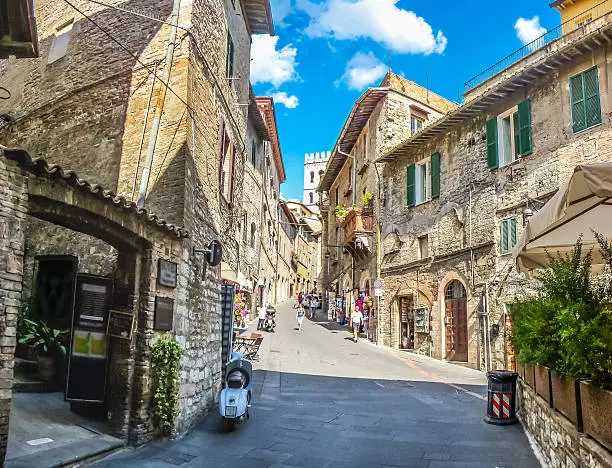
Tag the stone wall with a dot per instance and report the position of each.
(13, 209)
(561, 445)
(462, 224)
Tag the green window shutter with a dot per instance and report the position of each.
(524, 130)
(577, 103)
(410, 195)
(591, 98)
(513, 233)
(492, 143)
(435, 175)
(503, 237)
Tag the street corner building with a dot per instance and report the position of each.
(125, 140)
(454, 185)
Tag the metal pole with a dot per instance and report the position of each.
(159, 107)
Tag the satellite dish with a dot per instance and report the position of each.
(214, 253)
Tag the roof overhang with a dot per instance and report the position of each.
(561, 4)
(361, 112)
(266, 104)
(259, 16)
(18, 34)
(256, 118)
(514, 78)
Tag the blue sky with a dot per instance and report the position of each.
(325, 53)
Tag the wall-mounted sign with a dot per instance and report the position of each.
(164, 313)
(120, 324)
(166, 273)
(421, 320)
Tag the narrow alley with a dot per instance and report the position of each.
(321, 400)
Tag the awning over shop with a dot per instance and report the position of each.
(582, 205)
(245, 283)
(227, 273)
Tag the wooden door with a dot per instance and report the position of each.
(456, 323)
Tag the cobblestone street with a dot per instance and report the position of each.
(323, 401)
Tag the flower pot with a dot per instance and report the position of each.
(564, 397)
(46, 367)
(530, 375)
(596, 404)
(542, 383)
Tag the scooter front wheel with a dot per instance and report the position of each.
(230, 424)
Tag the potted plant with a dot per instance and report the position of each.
(341, 212)
(366, 200)
(48, 343)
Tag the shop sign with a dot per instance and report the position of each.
(166, 273)
(164, 313)
(421, 320)
(120, 324)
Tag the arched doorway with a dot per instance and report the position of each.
(455, 305)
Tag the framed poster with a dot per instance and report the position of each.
(87, 362)
(166, 273)
(120, 324)
(164, 313)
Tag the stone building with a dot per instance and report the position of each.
(381, 118)
(457, 194)
(273, 176)
(287, 270)
(145, 99)
(308, 225)
(314, 167)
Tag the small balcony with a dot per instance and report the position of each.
(357, 225)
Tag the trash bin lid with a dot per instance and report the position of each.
(502, 375)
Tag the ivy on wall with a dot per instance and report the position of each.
(165, 362)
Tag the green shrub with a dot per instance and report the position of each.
(165, 360)
(568, 327)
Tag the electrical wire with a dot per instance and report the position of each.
(124, 10)
(134, 56)
(8, 93)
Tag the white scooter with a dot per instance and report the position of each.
(235, 398)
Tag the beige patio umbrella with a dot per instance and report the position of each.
(581, 205)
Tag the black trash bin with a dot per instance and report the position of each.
(501, 403)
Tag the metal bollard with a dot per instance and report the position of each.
(501, 402)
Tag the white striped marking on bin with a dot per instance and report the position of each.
(496, 404)
(506, 406)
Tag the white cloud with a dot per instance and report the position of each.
(528, 30)
(399, 30)
(363, 70)
(270, 65)
(290, 102)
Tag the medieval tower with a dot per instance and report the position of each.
(314, 167)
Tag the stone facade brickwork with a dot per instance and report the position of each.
(462, 225)
(13, 214)
(386, 126)
(92, 111)
(561, 445)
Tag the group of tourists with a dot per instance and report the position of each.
(306, 304)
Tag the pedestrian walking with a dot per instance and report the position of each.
(300, 316)
(356, 321)
(313, 306)
(261, 315)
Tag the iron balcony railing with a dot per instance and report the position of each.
(582, 19)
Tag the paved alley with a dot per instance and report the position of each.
(321, 400)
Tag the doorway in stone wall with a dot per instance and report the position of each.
(455, 304)
(406, 322)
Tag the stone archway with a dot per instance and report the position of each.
(34, 189)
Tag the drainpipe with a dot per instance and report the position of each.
(159, 107)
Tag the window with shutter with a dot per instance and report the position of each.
(584, 100)
(492, 143)
(508, 234)
(524, 128)
(435, 175)
(410, 172)
(229, 59)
